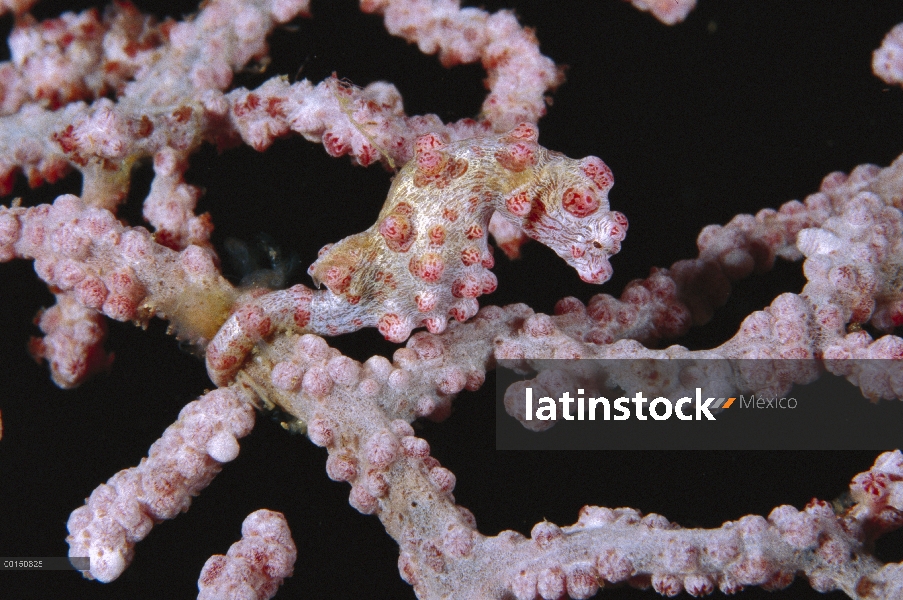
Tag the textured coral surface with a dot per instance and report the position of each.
(739, 108)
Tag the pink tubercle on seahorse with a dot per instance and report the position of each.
(427, 258)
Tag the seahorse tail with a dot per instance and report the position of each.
(257, 318)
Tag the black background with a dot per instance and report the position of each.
(744, 106)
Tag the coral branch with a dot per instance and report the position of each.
(518, 75)
(179, 465)
(254, 566)
(668, 12)
(119, 271)
(73, 342)
(887, 61)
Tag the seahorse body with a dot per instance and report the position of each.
(427, 259)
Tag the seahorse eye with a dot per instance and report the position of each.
(597, 245)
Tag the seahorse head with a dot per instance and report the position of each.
(565, 206)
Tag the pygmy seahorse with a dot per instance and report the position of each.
(427, 257)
